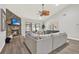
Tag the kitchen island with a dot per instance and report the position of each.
(43, 44)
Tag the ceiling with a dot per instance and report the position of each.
(30, 11)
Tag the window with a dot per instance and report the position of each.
(28, 27)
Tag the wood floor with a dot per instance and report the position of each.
(72, 47)
(17, 47)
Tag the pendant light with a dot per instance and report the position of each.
(44, 12)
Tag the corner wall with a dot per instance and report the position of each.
(2, 39)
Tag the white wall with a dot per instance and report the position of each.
(69, 21)
(2, 34)
(2, 39)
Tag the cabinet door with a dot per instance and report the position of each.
(44, 45)
(58, 41)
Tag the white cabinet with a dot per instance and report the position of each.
(44, 45)
(58, 40)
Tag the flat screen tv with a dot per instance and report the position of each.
(15, 21)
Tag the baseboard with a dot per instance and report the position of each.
(73, 38)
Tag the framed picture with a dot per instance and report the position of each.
(3, 20)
